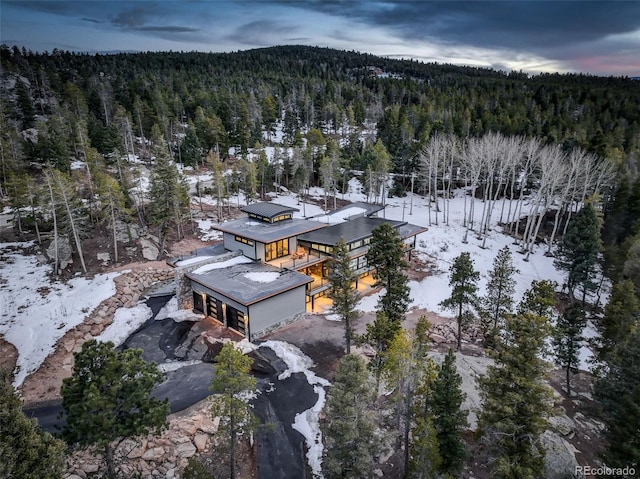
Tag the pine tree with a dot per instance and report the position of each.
(233, 384)
(463, 279)
(631, 266)
(351, 440)
(400, 373)
(27, 451)
(621, 313)
(618, 393)
(449, 419)
(190, 149)
(623, 449)
(424, 455)
(107, 398)
(515, 401)
(67, 209)
(498, 303)
(578, 252)
(167, 193)
(379, 335)
(113, 201)
(539, 299)
(386, 255)
(567, 338)
(342, 291)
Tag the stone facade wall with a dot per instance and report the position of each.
(183, 285)
(45, 383)
(278, 325)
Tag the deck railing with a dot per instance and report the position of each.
(297, 261)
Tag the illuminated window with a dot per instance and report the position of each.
(247, 241)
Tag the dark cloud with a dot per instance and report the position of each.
(261, 33)
(91, 20)
(132, 17)
(538, 26)
(167, 28)
(58, 8)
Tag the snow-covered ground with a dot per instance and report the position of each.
(125, 322)
(35, 312)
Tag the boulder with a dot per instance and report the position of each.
(186, 450)
(560, 459)
(149, 250)
(209, 426)
(201, 440)
(64, 252)
(104, 258)
(90, 468)
(153, 454)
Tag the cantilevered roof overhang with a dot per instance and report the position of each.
(354, 230)
(268, 210)
(250, 283)
(408, 230)
(268, 232)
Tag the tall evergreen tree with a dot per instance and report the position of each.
(539, 299)
(108, 398)
(463, 279)
(190, 149)
(342, 291)
(405, 362)
(578, 251)
(233, 384)
(351, 440)
(379, 335)
(515, 401)
(498, 303)
(386, 255)
(113, 200)
(449, 419)
(27, 451)
(424, 455)
(167, 193)
(567, 338)
(621, 315)
(618, 392)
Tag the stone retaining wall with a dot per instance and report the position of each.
(45, 383)
(164, 455)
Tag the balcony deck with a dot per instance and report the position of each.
(297, 261)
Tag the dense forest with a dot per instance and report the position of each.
(74, 129)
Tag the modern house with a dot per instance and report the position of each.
(290, 264)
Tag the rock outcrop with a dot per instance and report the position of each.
(45, 383)
(189, 433)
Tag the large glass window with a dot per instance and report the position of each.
(276, 249)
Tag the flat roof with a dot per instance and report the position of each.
(409, 230)
(250, 283)
(268, 232)
(348, 212)
(354, 230)
(267, 209)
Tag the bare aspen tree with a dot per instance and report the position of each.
(552, 170)
(473, 163)
(431, 155)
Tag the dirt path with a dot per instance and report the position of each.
(323, 340)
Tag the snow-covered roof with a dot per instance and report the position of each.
(250, 283)
(268, 232)
(354, 230)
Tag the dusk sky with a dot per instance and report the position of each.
(598, 37)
